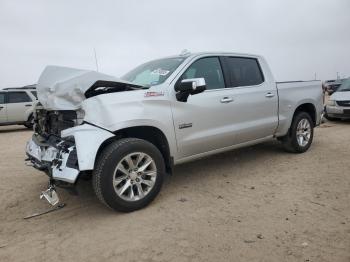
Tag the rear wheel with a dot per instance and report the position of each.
(300, 135)
(129, 174)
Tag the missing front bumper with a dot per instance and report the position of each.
(56, 157)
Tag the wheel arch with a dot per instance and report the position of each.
(149, 133)
(307, 108)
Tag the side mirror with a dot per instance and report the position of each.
(188, 87)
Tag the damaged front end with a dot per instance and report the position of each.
(63, 145)
(48, 151)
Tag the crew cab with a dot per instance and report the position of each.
(128, 133)
(17, 105)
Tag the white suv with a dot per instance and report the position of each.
(16, 106)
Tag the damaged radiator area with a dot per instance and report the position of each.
(48, 123)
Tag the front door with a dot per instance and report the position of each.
(202, 123)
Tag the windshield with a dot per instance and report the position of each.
(154, 72)
(345, 86)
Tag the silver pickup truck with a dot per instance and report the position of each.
(128, 133)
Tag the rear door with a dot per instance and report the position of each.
(18, 105)
(3, 114)
(255, 101)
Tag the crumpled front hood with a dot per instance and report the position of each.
(63, 88)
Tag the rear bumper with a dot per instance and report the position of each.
(56, 157)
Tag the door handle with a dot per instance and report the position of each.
(28, 105)
(269, 95)
(1, 107)
(226, 99)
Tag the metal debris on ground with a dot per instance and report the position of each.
(58, 207)
(316, 203)
(50, 195)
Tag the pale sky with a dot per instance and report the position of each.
(297, 37)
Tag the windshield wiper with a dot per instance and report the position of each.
(104, 87)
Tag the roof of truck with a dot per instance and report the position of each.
(218, 53)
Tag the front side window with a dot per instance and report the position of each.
(208, 68)
(243, 71)
(154, 72)
(18, 97)
(2, 98)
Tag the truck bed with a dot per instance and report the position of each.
(302, 91)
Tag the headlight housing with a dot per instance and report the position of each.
(331, 103)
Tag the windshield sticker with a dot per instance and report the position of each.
(160, 72)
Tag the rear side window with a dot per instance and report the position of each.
(34, 94)
(18, 97)
(208, 68)
(243, 71)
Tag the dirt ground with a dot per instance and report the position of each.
(253, 204)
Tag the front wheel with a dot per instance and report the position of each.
(129, 174)
(300, 135)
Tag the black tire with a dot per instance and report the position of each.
(107, 162)
(290, 142)
(30, 122)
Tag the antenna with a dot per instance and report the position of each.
(96, 59)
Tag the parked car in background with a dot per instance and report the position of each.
(331, 86)
(338, 105)
(16, 106)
